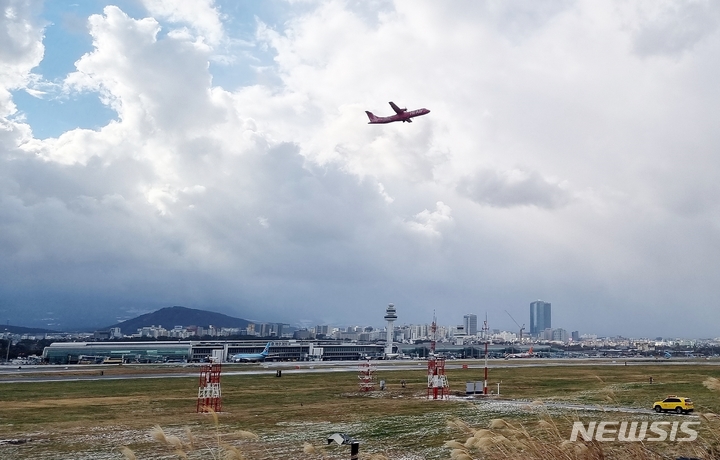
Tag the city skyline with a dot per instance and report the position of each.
(467, 329)
(367, 332)
(468, 321)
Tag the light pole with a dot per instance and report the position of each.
(7, 357)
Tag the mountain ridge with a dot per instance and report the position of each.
(170, 317)
(26, 330)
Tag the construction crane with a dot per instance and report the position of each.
(522, 328)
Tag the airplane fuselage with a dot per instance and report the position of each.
(400, 115)
(248, 358)
(527, 354)
(519, 355)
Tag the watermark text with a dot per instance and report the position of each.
(634, 431)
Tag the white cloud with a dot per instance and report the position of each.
(148, 85)
(21, 39)
(388, 198)
(430, 223)
(200, 15)
(21, 50)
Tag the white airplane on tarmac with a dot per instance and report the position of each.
(528, 354)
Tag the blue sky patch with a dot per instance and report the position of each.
(52, 117)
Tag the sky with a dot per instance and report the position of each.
(216, 155)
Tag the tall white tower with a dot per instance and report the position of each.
(390, 317)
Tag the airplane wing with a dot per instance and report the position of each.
(397, 109)
(409, 120)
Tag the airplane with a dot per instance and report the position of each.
(251, 357)
(528, 354)
(400, 115)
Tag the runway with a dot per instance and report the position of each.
(87, 372)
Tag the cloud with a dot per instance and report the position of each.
(277, 196)
(200, 16)
(673, 27)
(505, 189)
(430, 222)
(147, 87)
(21, 49)
(21, 34)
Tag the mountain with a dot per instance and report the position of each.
(170, 317)
(26, 330)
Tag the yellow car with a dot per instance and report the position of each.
(674, 403)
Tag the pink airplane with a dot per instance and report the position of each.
(400, 115)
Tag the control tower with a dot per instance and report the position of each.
(390, 317)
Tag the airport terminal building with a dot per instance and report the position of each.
(200, 351)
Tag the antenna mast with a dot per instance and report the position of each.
(433, 334)
(486, 336)
(438, 385)
(522, 328)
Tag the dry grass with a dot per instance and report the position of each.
(505, 441)
(217, 449)
(127, 453)
(548, 438)
(712, 383)
(288, 413)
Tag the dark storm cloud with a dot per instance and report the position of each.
(88, 229)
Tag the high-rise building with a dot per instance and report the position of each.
(539, 317)
(263, 330)
(559, 335)
(470, 323)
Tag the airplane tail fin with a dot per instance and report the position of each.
(530, 351)
(267, 348)
(371, 116)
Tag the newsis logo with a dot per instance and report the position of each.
(634, 431)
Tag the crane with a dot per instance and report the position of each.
(522, 328)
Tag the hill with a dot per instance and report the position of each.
(170, 317)
(26, 330)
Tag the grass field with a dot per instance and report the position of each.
(95, 419)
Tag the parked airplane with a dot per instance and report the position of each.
(528, 354)
(400, 115)
(252, 357)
